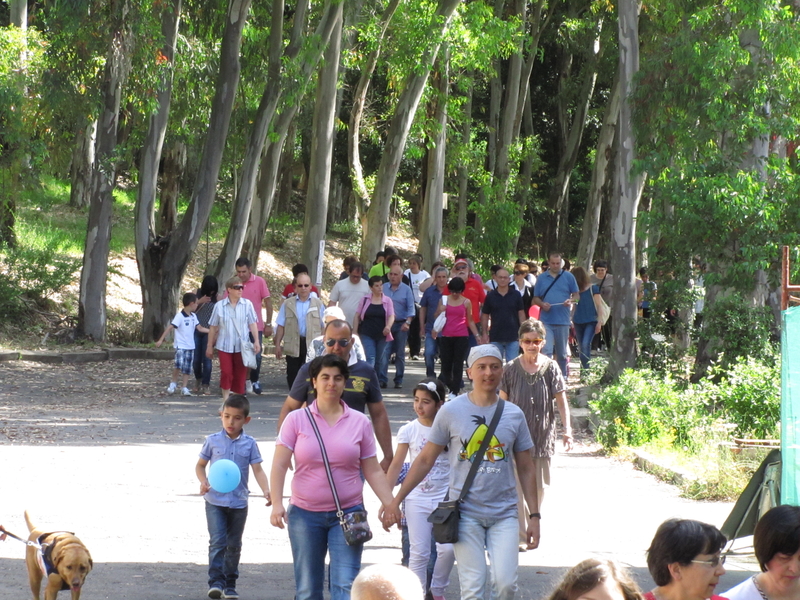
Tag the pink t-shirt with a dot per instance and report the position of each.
(255, 290)
(456, 324)
(349, 441)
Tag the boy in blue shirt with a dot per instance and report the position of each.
(226, 513)
(184, 325)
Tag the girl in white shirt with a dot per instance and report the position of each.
(429, 397)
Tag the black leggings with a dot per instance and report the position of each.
(452, 351)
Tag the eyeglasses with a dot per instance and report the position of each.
(237, 287)
(528, 342)
(712, 562)
(343, 343)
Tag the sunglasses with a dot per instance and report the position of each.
(343, 343)
(303, 285)
(527, 342)
(237, 287)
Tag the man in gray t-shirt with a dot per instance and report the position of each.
(489, 511)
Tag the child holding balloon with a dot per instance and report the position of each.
(230, 452)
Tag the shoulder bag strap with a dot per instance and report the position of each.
(339, 512)
(551, 285)
(482, 450)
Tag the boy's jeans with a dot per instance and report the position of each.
(225, 528)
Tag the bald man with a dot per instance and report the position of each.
(386, 582)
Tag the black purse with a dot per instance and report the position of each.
(354, 524)
(446, 516)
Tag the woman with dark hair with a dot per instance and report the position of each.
(454, 338)
(584, 317)
(373, 322)
(777, 545)
(597, 579)
(314, 528)
(685, 561)
(206, 299)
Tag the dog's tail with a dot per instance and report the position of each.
(30, 524)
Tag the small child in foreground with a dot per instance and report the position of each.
(226, 513)
(184, 324)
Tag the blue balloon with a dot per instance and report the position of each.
(224, 475)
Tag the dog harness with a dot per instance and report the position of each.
(44, 555)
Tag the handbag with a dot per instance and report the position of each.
(248, 349)
(447, 514)
(441, 320)
(603, 311)
(354, 524)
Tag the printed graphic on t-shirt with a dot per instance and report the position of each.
(469, 448)
(359, 384)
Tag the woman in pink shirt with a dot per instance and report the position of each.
(314, 528)
(454, 338)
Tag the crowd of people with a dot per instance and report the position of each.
(512, 332)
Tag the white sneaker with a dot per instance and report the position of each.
(248, 387)
(186, 392)
(172, 387)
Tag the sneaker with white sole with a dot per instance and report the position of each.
(230, 593)
(186, 392)
(172, 388)
(248, 387)
(214, 592)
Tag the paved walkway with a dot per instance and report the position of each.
(99, 449)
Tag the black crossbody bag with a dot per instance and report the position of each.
(446, 516)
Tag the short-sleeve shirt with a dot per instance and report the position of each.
(347, 442)
(436, 482)
(461, 426)
(244, 452)
(415, 281)
(402, 299)
(430, 302)
(361, 388)
(535, 395)
(562, 289)
(233, 323)
(347, 296)
(184, 325)
(585, 311)
(255, 290)
(504, 312)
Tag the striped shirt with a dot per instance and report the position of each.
(228, 318)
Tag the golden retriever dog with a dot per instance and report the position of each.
(63, 561)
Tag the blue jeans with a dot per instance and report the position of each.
(312, 536)
(398, 346)
(254, 373)
(497, 537)
(557, 341)
(585, 334)
(202, 364)
(431, 350)
(225, 528)
(373, 349)
(508, 350)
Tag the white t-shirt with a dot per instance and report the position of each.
(184, 330)
(744, 591)
(347, 296)
(436, 482)
(415, 281)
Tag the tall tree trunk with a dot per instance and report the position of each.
(600, 172)
(82, 164)
(92, 295)
(463, 169)
(430, 239)
(276, 87)
(172, 173)
(374, 235)
(163, 261)
(18, 13)
(625, 202)
(323, 136)
(357, 113)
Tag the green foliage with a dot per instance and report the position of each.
(31, 275)
(500, 223)
(741, 329)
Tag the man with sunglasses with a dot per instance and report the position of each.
(362, 392)
(299, 319)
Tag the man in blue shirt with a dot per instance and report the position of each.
(427, 314)
(554, 293)
(404, 312)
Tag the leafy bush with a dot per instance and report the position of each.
(642, 407)
(741, 329)
(31, 275)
